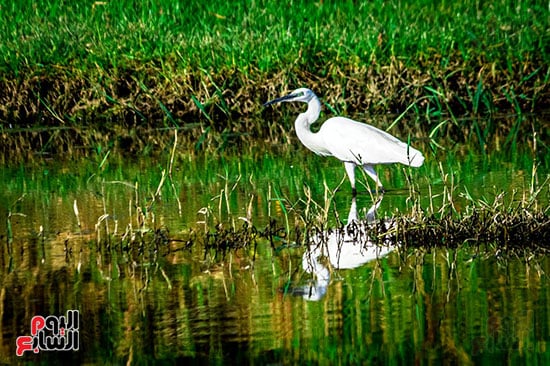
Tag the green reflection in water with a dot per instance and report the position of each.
(408, 307)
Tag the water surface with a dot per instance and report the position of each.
(275, 302)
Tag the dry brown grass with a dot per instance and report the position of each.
(69, 111)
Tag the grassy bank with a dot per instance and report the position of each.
(208, 67)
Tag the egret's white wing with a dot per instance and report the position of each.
(361, 144)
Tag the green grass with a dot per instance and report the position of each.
(268, 35)
(131, 69)
(100, 42)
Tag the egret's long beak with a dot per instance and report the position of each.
(281, 99)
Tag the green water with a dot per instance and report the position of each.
(169, 302)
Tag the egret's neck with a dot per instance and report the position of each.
(313, 110)
(312, 141)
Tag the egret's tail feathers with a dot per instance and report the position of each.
(415, 158)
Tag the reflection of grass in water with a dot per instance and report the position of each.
(130, 287)
(442, 238)
(264, 198)
(519, 221)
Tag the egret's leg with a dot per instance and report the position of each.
(371, 173)
(350, 169)
(352, 216)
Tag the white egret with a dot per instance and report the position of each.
(352, 142)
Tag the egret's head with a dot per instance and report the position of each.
(298, 95)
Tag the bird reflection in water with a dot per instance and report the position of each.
(344, 248)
